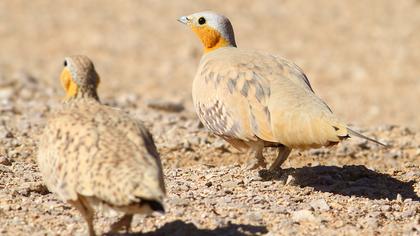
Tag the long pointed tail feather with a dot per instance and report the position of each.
(354, 133)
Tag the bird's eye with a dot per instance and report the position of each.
(201, 21)
(65, 63)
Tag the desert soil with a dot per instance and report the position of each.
(362, 58)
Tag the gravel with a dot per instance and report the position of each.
(354, 188)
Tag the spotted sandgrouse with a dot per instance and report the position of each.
(254, 99)
(94, 156)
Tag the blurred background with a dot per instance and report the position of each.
(362, 57)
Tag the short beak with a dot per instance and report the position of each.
(183, 19)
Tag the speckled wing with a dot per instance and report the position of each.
(99, 151)
(250, 95)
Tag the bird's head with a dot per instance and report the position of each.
(79, 78)
(214, 30)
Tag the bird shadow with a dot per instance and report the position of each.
(353, 180)
(181, 228)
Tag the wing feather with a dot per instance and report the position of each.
(100, 152)
(267, 97)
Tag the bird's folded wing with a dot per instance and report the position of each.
(266, 97)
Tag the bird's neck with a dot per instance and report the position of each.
(212, 39)
(83, 95)
(220, 42)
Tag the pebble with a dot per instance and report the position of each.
(320, 204)
(5, 161)
(408, 213)
(165, 105)
(399, 198)
(254, 216)
(5, 169)
(393, 154)
(303, 215)
(290, 180)
(6, 93)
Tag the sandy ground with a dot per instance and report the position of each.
(362, 59)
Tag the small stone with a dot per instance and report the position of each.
(303, 215)
(254, 216)
(343, 150)
(369, 222)
(386, 208)
(179, 212)
(408, 200)
(226, 200)
(317, 152)
(5, 161)
(5, 169)
(408, 213)
(6, 93)
(5, 134)
(165, 106)
(290, 180)
(179, 201)
(394, 154)
(194, 140)
(399, 198)
(320, 204)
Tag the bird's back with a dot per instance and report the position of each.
(98, 151)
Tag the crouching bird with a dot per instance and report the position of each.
(254, 99)
(97, 157)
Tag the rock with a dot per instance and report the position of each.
(363, 144)
(399, 198)
(319, 204)
(254, 216)
(5, 161)
(385, 208)
(318, 152)
(393, 154)
(408, 213)
(165, 106)
(179, 201)
(5, 169)
(6, 93)
(344, 150)
(370, 222)
(4, 133)
(303, 215)
(220, 144)
(127, 100)
(290, 180)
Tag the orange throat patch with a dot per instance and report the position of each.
(210, 38)
(69, 85)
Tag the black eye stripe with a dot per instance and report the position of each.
(201, 21)
(65, 62)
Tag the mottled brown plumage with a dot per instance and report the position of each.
(254, 99)
(94, 156)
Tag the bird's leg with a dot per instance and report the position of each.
(87, 212)
(281, 158)
(124, 222)
(259, 161)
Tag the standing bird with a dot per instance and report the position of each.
(95, 156)
(255, 100)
